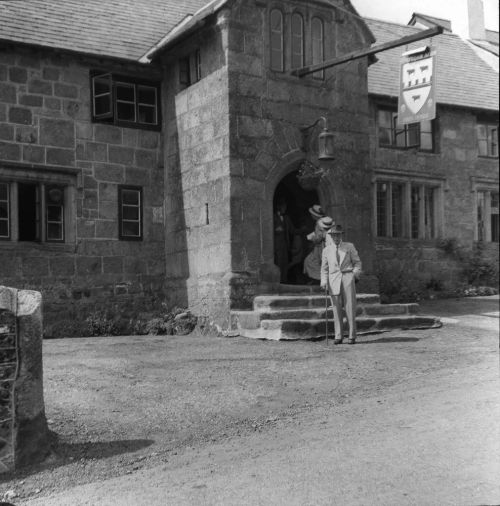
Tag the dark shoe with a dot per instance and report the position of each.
(351, 340)
(337, 341)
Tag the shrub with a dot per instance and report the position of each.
(178, 321)
(99, 324)
(477, 269)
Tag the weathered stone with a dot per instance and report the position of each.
(20, 115)
(122, 155)
(57, 132)
(31, 100)
(23, 429)
(40, 87)
(65, 90)
(26, 134)
(7, 93)
(6, 132)
(108, 134)
(34, 154)
(50, 73)
(88, 265)
(57, 156)
(10, 151)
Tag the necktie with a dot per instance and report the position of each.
(337, 255)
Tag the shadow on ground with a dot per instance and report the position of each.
(64, 453)
(98, 450)
(391, 340)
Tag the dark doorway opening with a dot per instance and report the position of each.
(290, 242)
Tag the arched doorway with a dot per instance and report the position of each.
(290, 243)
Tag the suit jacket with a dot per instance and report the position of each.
(334, 273)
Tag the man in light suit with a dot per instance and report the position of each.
(340, 267)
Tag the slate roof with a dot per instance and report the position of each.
(117, 28)
(463, 79)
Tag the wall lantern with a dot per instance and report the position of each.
(326, 146)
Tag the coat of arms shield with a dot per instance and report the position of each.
(417, 90)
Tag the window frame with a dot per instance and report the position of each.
(192, 69)
(491, 139)
(281, 34)
(412, 209)
(140, 206)
(7, 219)
(320, 74)
(13, 178)
(299, 39)
(486, 232)
(112, 81)
(396, 132)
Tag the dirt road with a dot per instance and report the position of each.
(398, 419)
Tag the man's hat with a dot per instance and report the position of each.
(326, 223)
(336, 229)
(316, 211)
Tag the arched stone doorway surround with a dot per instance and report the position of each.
(283, 166)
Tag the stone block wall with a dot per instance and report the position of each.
(456, 163)
(197, 181)
(46, 131)
(24, 437)
(268, 111)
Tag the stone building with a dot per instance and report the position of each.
(144, 145)
(435, 184)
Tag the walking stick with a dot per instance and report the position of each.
(326, 314)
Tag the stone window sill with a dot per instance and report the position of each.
(26, 247)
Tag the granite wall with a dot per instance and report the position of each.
(23, 427)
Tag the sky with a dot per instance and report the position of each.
(400, 11)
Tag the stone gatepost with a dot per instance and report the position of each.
(23, 427)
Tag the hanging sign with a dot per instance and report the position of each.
(417, 86)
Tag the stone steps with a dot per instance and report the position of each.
(304, 301)
(293, 317)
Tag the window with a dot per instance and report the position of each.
(487, 140)
(318, 45)
(125, 102)
(305, 41)
(40, 213)
(408, 209)
(190, 69)
(130, 213)
(423, 211)
(487, 216)
(297, 41)
(390, 134)
(277, 40)
(4, 211)
(390, 209)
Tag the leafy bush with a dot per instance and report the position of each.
(99, 324)
(179, 321)
(476, 268)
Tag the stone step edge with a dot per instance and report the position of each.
(365, 309)
(275, 332)
(252, 319)
(280, 301)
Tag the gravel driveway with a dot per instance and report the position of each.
(124, 406)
